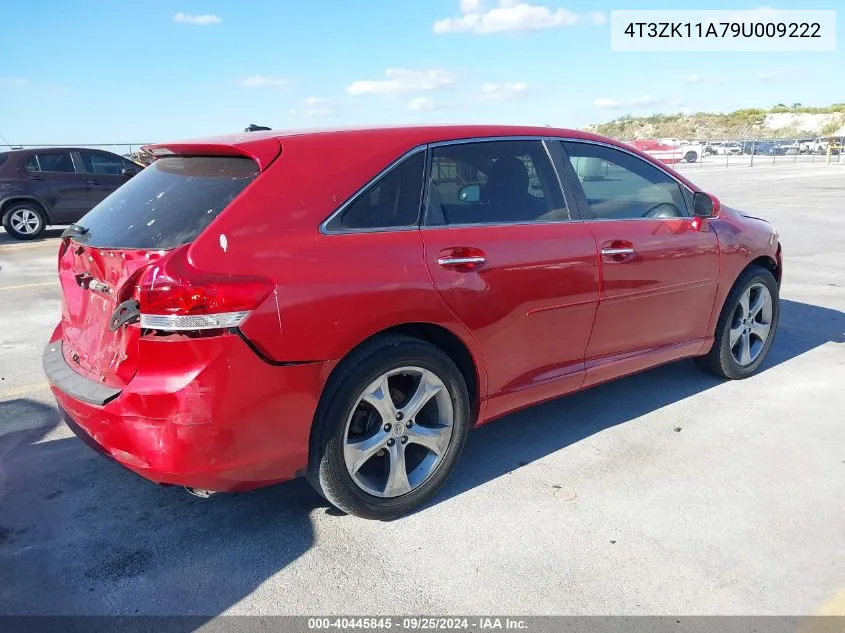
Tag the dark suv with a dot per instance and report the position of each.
(46, 186)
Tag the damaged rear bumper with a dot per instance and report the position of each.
(203, 413)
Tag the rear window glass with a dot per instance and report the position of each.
(169, 203)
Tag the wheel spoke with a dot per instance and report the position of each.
(744, 349)
(735, 333)
(761, 330)
(397, 480)
(377, 395)
(358, 453)
(759, 303)
(436, 439)
(744, 300)
(429, 387)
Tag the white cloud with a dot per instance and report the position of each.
(260, 81)
(618, 104)
(511, 16)
(318, 107)
(702, 79)
(503, 92)
(13, 81)
(609, 104)
(197, 20)
(422, 103)
(400, 80)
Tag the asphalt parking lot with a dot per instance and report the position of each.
(669, 492)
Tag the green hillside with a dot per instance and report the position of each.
(780, 121)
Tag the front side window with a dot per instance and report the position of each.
(620, 186)
(493, 182)
(104, 164)
(392, 201)
(50, 161)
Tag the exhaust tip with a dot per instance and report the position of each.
(202, 493)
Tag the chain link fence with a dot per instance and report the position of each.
(739, 152)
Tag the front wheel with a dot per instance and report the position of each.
(691, 157)
(746, 327)
(389, 429)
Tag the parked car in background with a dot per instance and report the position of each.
(253, 308)
(50, 186)
(789, 147)
(805, 145)
(768, 148)
(731, 149)
(711, 149)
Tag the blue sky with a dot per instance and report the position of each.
(126, 72)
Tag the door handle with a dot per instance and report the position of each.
(447, 262)
(617, 251)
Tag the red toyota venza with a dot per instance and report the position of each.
(347, 305)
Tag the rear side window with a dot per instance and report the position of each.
(52, 161)
(169, 203)
(393, 201)
(3, 158)
(105, 164)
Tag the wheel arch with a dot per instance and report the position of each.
(8, 201)
(470, 366)
(768, 262)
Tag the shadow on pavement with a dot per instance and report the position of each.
(81, 535)
(523, 437)
(48, 234)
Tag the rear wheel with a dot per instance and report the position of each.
(390, 428)
(746, 327)
(691, 157)
(24, 220)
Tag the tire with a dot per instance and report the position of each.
(723, 359)
(344, 422)
(24, 220)
(691, 157)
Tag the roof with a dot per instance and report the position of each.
(264, 146)
(25, 150)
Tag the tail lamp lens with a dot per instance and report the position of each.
(173, 295)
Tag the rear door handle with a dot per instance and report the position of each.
(617, 251)
(448, 262)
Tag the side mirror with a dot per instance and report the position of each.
(704, 205)
(469, 193)
(128, 172)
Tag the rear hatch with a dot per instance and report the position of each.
(124, 240)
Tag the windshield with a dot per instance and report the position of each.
(169, 203)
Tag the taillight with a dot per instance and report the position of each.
(173, 295)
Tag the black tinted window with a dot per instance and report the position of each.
(392, 201)
(618, 185)
(105, 164)
(169, 203)
(53, 161)
(493, 182)
(3, 158)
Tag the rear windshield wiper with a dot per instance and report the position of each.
(76, 230)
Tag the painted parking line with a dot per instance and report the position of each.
(25, 390)
(36, 285)
(4, 248)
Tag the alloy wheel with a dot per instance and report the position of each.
(25, 221)
(751, 324)
(398, 432)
